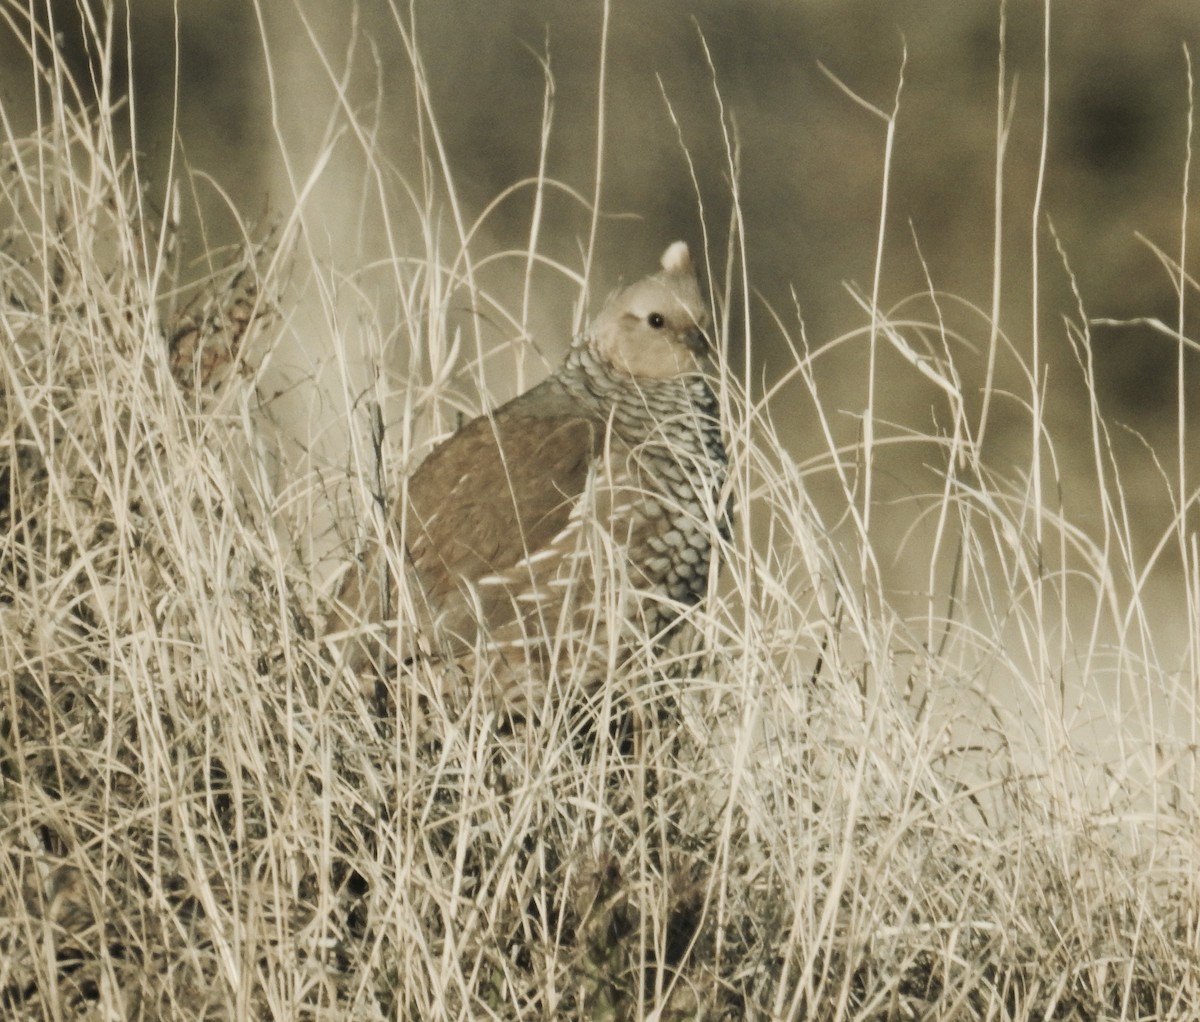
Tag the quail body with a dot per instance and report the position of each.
(578, 518)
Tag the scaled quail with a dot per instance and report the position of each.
(578, 518)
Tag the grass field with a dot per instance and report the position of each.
(933, 754)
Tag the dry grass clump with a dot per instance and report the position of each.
(839, 810)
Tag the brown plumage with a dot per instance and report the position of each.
(577, 518)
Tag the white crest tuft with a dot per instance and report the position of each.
(677, 258)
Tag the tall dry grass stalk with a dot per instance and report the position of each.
(972, 795)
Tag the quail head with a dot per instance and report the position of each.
(547, 538)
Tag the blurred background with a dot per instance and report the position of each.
(267, 102)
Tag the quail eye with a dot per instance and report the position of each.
(655, 319)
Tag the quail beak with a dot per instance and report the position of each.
(695, 340)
